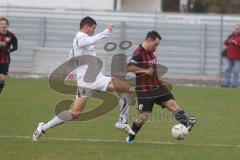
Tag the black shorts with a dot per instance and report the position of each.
(4, 69)
(146, 104)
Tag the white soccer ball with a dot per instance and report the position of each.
(179, 131)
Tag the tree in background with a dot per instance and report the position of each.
(170, 5)
(197, 6)
(214, 6)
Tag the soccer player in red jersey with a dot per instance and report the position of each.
(8, 44)
(144, 64)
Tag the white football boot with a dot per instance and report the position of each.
(38, 132)
(125, 127)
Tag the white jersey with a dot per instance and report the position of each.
(84, 45)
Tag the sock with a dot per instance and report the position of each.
(1, 85)
(59, 119)
(124, 104)
(181, 117)
(135, 127)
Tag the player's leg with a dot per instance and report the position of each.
(145, 107)
(170, 103)
(124, 105)
(137, 125)
(116, 85)
(3, 73)
(2, 83)
(67, 115)
(64, 116)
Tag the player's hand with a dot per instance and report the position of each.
(150, 71)
(109, 27)
(71, 77)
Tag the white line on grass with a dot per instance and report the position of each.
(121, 141)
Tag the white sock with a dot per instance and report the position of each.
(124, 104)
(59, 119)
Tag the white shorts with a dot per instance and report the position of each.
(100, 84)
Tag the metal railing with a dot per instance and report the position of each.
(191, 43)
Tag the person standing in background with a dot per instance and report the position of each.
(8, 44)
(233, 58)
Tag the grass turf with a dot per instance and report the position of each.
(26, 102)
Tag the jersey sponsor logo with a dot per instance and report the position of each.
(152, 62)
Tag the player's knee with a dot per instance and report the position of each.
(142, 118)
(2, 77)
(131, 89)
(171, 103)
(75, 114)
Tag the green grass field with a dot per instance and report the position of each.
(26, 102)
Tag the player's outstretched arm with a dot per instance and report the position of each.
(87, 40)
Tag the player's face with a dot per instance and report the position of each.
(91, 30)
(3, 26)
(153, 44)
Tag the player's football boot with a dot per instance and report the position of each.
(129, 140)
(191, 122)
(38, 132)
(125, 127)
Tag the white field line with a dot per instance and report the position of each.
(122, 141)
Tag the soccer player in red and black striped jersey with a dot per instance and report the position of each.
(8, 44)
(144, 64)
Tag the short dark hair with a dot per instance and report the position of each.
(153, 35)
(4, 19)
(87, 21)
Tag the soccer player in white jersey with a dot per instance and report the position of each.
(83, 44)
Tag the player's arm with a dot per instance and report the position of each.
(87, 40)
(135, 64)
(14, 44)
(72, 75)
(135, 69)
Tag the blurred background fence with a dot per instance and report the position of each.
(190, 47)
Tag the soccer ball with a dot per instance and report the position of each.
(179, 131)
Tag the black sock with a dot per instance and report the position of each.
(135, 127)
(181, 117)
(1, 86)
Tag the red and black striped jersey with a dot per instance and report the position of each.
(8, 44)
(144, 59)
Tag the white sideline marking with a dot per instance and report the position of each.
(122, 141)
